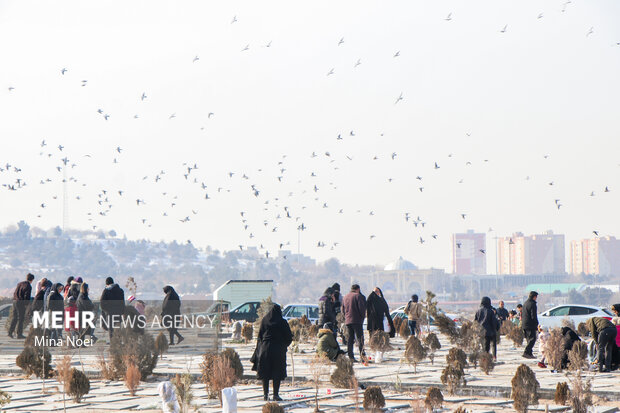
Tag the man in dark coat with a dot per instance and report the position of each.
(55, 305)
(170, 308)
(354, 310)
(84, 304)
(485, 316)
(327, 314)
(269, 359)
(21, 301)
(502, 312)
(376, 311)
(112, 305)
(529, 323)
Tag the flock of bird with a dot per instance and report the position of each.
(267, 211)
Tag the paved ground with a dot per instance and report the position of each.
(403, 388)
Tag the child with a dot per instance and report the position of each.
(543, 336)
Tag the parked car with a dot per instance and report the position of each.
(297, 310)
(246, 311)
(577, 313)
(5, 310)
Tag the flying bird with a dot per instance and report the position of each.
(399, 98)
(590, 31)
(196, 58)
(341, 41)
(504, 29)
(63, 71)
(331, 72)
(449, 17)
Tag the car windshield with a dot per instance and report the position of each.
(606, 311)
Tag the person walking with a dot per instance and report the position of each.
(529, 323)
(71, 326)
(84, 304)
(112, 305)
(378, 313)
(485, 316)
(55, 305)
(413, 311)
(327, 314)
(502, 312)
(171, 308)
(604, 334)
(354, 310)
(269, 358)
(21, 301)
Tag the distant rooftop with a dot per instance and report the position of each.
(400, 265)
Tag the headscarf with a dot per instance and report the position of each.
(616, 308)
(485, 302)
(273, 316)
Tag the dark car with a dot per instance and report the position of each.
(246, 311)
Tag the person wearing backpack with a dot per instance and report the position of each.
(413, 311)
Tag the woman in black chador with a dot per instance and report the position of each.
(269, 359)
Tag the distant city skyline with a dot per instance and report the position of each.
(182, 123)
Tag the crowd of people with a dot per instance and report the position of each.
(73, 296)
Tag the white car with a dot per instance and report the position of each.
(297, 310)
(577, 313)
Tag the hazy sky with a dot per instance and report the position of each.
(548, 85)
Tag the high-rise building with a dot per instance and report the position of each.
(467, 257)
(596, 256)
(534, 254)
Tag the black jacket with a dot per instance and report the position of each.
(23, 291)
(502, 313)
(570, 337)
(274, 336)
(376, 310)
(529, 315)
(55, 302)
(485, 316)
(172, 303)
(327, 313)
(113, 300)
(38, 304)
(84, 303)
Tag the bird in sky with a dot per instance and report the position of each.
(504, 29)
(393, 155)
(590, 31)
(359, 62)
(247, 47)
(421, 240)
(482, 251)
(341, 41)
(143, 96)
(234, 20)
(595, 233)
(63, 71)
(397, 54)
(606, 189)
(196, 58)
(449, 17)
(436, 166)
(400, 97)
(540, 16)
(331, 72)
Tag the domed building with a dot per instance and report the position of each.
(401, 278)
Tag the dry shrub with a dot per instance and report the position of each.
(432, 343)
(554, 349)
(472, 340)
(5, 398)
(140, 347)
(161, 344)
(403, 330)
(223, 376)
(105, 367)
(447, 327)
(373, 399)
(504, 327)
(304, 321)
(486, 362)
(456, 357)
(78, 386)
(247, 332)
(206, 367)
(234, 361)
(580, 394)
(272, 407)
(313, 331)
(414, 352)
(561, 394)
(319, 367)
(515, 334)
(453, 377)
(524, 389)
(380, 341)
(344, 374)
(567, 322)
(577, 356)
(63, 372)
(460, 409)
(35, 360)
(434, 399)
(397, 322)
(132, 376)
(183, 388)
(582, 330)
